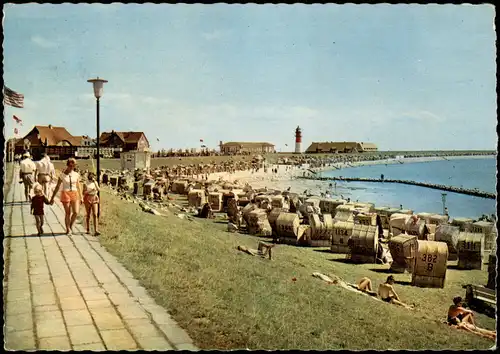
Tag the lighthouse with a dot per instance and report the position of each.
(298, 140)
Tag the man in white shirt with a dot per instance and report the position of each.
(26, 174)
(44, 173)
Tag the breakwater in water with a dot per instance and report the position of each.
(473, 192)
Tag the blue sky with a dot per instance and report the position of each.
(406, 77)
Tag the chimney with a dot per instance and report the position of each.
(50, 126)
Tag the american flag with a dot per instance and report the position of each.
(12, 98)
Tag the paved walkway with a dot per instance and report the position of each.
(68, 293)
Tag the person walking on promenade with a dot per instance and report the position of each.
(37, 204)
(71, 194)
(26, 174)
(43, 176)
(91, 202)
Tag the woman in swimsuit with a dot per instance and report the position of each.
(71, 194)
(462, 318)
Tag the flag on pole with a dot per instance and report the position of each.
(12, 98)
(201, 140)
(17, 119)
(16, 131)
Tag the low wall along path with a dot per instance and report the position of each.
(68, 293)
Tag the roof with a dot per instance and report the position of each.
(126, 137)
(327, 145)
(247, 144)
(54, 135)
(368, 145)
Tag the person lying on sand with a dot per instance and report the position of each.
(461, 318)
(388, 294)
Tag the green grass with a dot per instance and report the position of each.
(226, 299)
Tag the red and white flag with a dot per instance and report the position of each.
(12, 98)
(17, 119)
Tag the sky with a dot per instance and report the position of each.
(405, 77)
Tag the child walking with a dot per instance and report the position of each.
(37, 205)
(91, 201)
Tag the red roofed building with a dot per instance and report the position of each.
(55, 141)
(127, 141)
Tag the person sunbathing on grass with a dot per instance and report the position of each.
(388, 294)
(461, 318)
(365, 285)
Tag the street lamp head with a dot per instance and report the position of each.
(98, 85)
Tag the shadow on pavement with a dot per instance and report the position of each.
(44, 235)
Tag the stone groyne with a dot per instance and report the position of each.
(473, 192)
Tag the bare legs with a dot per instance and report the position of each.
(397, 302)
(39, 224)
(91, 210)
(88, 207)
(27, 190)
(94, 218)
(71, 210)
(365, 284)
(469, 325)
(75, 208)
(67, 216)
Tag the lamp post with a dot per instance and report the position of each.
(98, 88)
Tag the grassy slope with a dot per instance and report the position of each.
(226, 299)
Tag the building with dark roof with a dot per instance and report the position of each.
(55, 141)
(340, 147)
(237, 147)
(126, 141)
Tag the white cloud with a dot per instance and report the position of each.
(42, 42)
(422, 116)
(213, 35)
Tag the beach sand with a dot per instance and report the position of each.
(286, 176)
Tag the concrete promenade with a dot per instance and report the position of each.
(68, 293)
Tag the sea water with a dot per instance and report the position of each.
(469, 173)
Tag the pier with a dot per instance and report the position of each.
(473, 192)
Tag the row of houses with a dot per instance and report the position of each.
(58, 143)
(316, 147)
